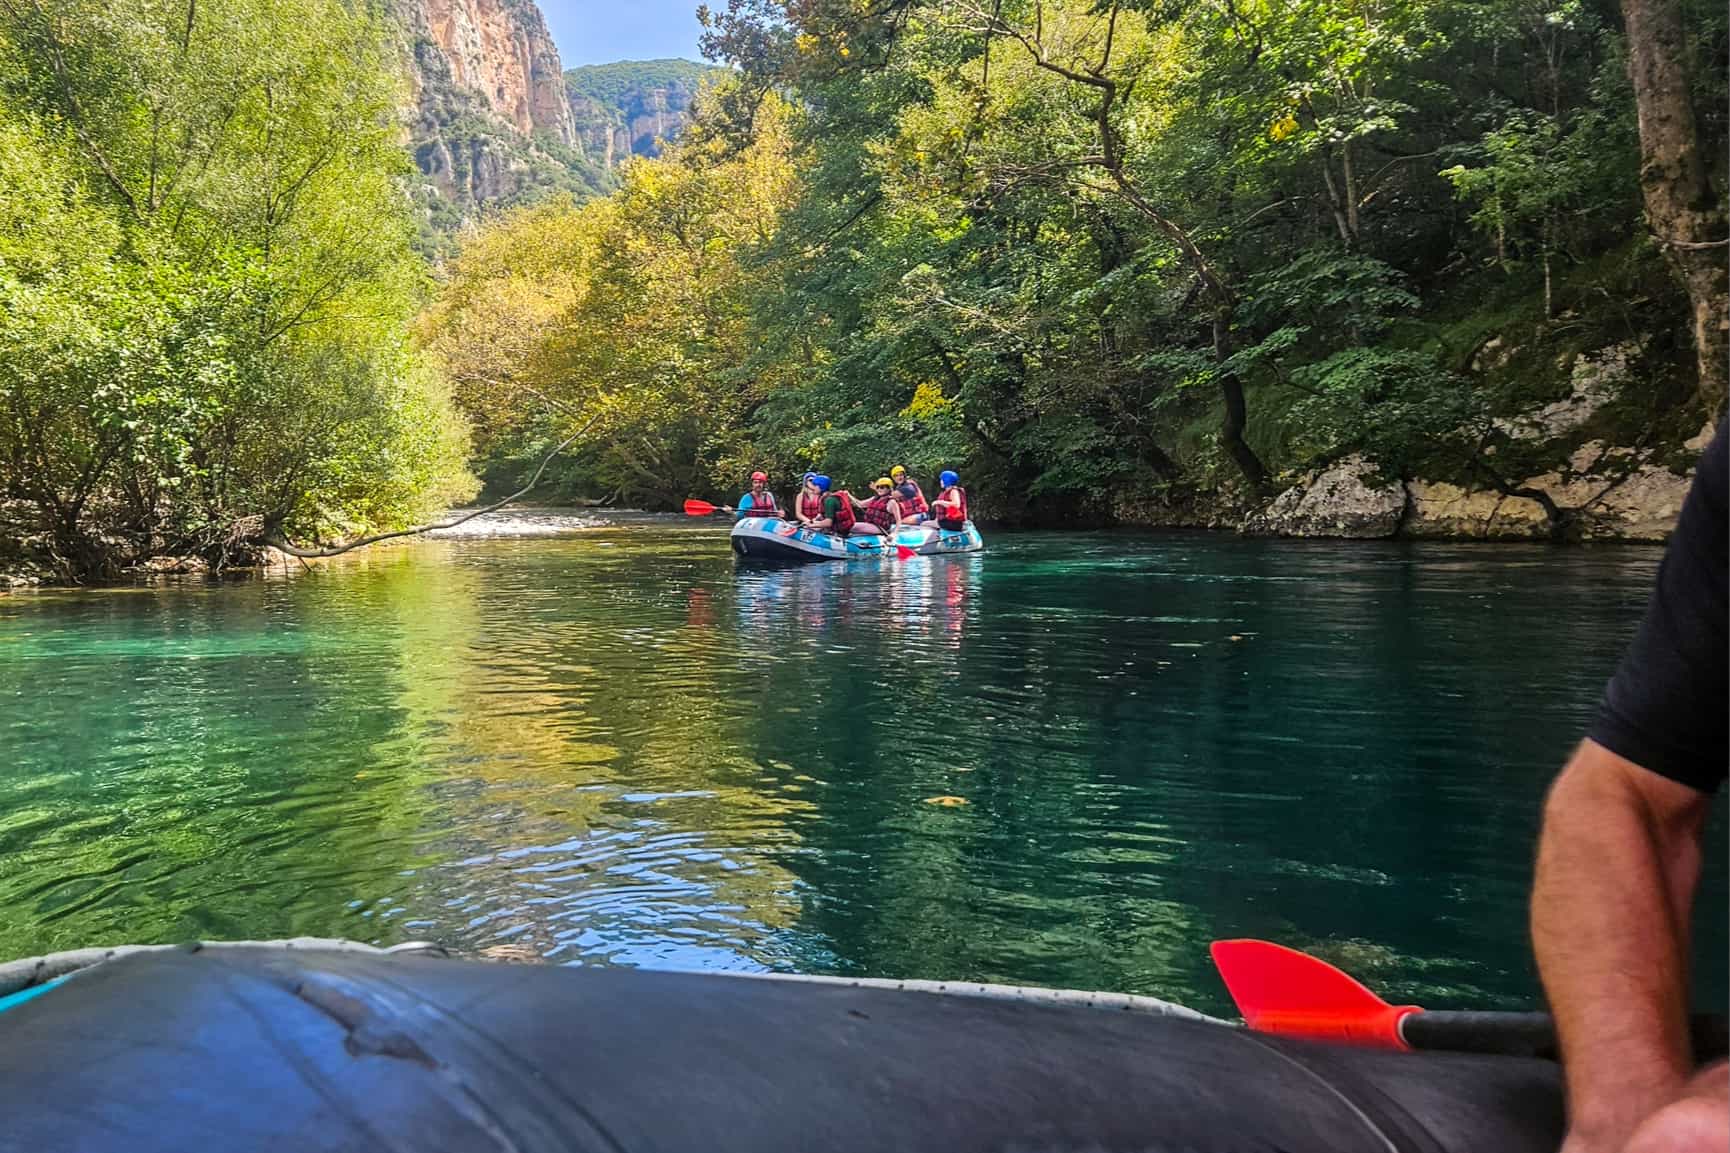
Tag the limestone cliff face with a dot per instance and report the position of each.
(627, 108)
(496, 120)
(491, 123)
(499, 51)
(1600, 490)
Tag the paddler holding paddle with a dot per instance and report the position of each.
(759, 501)
(1619, 859)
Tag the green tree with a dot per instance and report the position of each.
(626, 317)
(224, 357)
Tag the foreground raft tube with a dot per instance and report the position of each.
(773, 539)
(264, 1049)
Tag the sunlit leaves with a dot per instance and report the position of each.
(205, 336)
(626, 316)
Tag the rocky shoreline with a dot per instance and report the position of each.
(1602, 487)
(1348, 500)
(1600, 496)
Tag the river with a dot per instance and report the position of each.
(1071, 760)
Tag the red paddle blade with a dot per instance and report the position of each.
(698, 508)
(1280, 990)
(902, 552)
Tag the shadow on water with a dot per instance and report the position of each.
(1069, 760)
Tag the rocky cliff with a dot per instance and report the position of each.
(1578, 453)
(626, 108)
(491, 122)
(499, 51)
(1605, 483)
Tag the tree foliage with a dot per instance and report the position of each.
(206, 280)
(1096, 252)
(629, 316)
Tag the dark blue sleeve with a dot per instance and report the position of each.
(1666, 707)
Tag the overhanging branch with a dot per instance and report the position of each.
(281, 545)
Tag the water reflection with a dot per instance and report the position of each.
(605, 744)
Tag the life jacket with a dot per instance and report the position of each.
(844, 520)
(956, 495)
(877, 512)
(810, 504)
(912, 500)
(763, 505)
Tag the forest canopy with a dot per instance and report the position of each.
(1104, 256)
(207, 282)
(1141, 261)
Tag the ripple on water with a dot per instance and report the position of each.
(593, 740)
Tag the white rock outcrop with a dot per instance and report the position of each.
(1339, 501)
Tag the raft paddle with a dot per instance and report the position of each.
(1280, 990)
(704, 508)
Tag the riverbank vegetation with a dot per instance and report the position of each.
(1143, 261)
(1112, 257)
(206, 283)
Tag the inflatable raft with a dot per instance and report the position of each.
(298, 1049)
(772, 539)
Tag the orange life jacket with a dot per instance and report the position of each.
(877, 512)
(844, 520)
(957, 497)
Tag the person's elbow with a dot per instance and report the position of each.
(1590, 785)
(1599, 789)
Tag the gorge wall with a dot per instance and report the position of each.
(627, 108)
(497, 121)
(491, 124)
(499, 51)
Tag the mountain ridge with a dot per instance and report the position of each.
(627, 107)
(498, 121)
(490, 124)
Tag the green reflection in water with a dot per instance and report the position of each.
(614, 747)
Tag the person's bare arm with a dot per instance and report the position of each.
(1617, 866)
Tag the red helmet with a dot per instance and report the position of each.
(757, 476)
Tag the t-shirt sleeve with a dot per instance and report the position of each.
(1666, 708)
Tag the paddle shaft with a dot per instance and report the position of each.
(704, 508)
(1529, 1034)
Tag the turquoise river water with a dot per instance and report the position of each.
(1072, 760)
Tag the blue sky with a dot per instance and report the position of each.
(597, 31)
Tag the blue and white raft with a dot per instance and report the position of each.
(772, 539)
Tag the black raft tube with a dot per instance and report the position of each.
(300, 1051)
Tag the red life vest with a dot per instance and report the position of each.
(911, 498)
(810, 504)
(762, 505)
(844, 519)
(957, 496)
(877, 512)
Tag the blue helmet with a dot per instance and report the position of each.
(808, 477)
(946, 478)
(822, 482)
